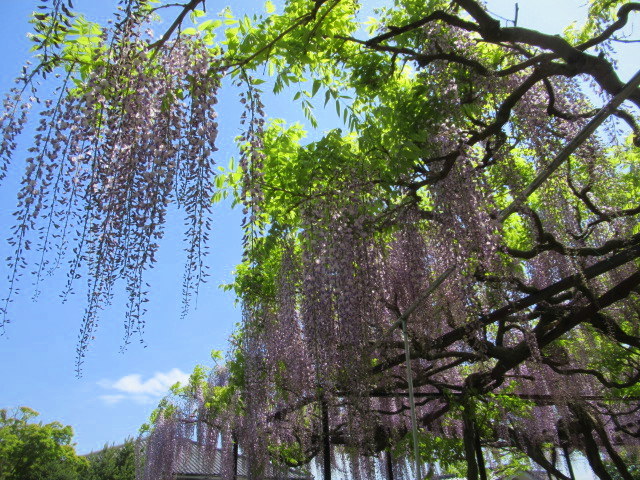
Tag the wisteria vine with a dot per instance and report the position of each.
(529, 344)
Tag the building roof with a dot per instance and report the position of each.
(198, 462)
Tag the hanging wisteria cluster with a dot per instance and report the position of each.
(321, 351)
(114, 150)
(455, 279)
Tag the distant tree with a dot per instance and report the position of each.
(36, 451)
(113, 463)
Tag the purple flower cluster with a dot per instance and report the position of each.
(111, 155)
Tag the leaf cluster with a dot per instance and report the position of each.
(37, 451)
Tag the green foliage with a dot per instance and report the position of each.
(36, 451)
(510, 462)
(601, 12)
(408, 103)
(215, 399)
(115, 462)
(76, 44)
(448, 452)
(631, 458)
(287, 454)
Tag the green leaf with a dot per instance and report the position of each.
(189, 31)
(269, 7)
(209, 24)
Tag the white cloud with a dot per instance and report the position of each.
(133, 387)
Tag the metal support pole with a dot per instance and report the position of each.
(326, 441)
(235, 458)
(482, 468)
(389, 465)
(412, 403)
(567, 457)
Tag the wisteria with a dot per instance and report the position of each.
(408, 285)
(112, 152)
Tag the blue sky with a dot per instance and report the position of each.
(118, 390)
